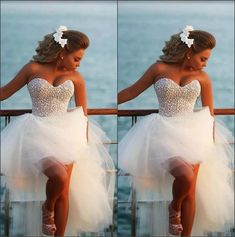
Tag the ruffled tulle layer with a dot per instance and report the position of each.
(29, 141)
(146, 151)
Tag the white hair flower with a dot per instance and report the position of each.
(188, 28)
(185, 34)
(58, 36)
(62, 28)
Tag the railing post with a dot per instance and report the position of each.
(133, 198)
(7, 214)
(133, 213)
(112, 227)
(134, 119)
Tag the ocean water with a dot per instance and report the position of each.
(143, 27)
(23, 24)
(124, 42)
(20, 36)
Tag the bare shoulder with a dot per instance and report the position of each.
(159, 67)
(204, 78)
(21, 79)
(162, 69)
(78, 79)
(155, 70)
(32, 66)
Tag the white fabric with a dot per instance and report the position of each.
(62, 136)
(177, 131)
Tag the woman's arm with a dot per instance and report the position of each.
(207, 96)
(80, 95)
(141, 85)
(207, 92)
(80, 92)
(16, 83)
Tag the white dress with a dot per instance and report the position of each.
(179, 131)
(55, 133)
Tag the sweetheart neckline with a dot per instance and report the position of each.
(165, 78)
(39, 78)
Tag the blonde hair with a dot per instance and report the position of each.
(48, 49)
(175, 50)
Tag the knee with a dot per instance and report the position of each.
(60, 179)
(188, 180)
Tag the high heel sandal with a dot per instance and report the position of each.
(174, 216)
(48, 226)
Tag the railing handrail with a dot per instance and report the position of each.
(114, 111)
(91, 111)
(125, 113)
(142, 112)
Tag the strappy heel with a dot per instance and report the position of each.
(174, 216)
(48, 226)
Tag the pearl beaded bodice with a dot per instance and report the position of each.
(48, 99)
(175, 99)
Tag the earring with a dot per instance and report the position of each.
(62, 57)
(188, 57)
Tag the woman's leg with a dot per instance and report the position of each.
(188, 207)
(62, 205)
(57, 178)
(184, 178)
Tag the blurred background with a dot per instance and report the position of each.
(126, 38)
(143, 28)
(24, 23)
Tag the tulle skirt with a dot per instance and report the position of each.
(146, 152)
(29, 140)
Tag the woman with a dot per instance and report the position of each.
(178, 142)
(58, 143)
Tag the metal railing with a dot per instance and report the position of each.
(7, 114)
(134, 114)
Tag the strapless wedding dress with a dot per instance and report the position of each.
(53, 131)
(179, 131)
